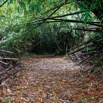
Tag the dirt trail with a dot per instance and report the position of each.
(50, 63)
(52, 80)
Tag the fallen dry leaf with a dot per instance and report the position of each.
(53, 80)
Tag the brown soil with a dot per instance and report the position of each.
(52, 80)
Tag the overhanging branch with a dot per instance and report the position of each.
(3, 3)
(77, 21)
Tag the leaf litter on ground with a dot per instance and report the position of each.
(52, 80)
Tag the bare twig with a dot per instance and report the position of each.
(3, 62)
(8, 58)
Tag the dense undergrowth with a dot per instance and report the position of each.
(63, 28)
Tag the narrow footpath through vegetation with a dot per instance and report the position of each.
(52, 80)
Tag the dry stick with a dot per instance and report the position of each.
(7, 77)
(9, 59)
(84, 60)
(85, 43)
(98, 62)
(5, 70)
(38, 43)
(88, 58)
(77, 50)
(81, 48)
(6, 51)
(3, 62)
(90, 52)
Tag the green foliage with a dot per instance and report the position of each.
(28, 25)
(5, 100)
(85, 100)
(16, 27)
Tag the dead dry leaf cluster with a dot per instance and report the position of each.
(52, 80)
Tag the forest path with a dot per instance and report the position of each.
(49, 63)
(52, 80)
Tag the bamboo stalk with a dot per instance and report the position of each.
(9, 59)
(3, 62)
(6, 51)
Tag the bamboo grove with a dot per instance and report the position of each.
(66, 26)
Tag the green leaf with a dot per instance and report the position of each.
(84, 100)
(93, 98)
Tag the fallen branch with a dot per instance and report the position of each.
(3, 62)
(8, 59)
(6, 51)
